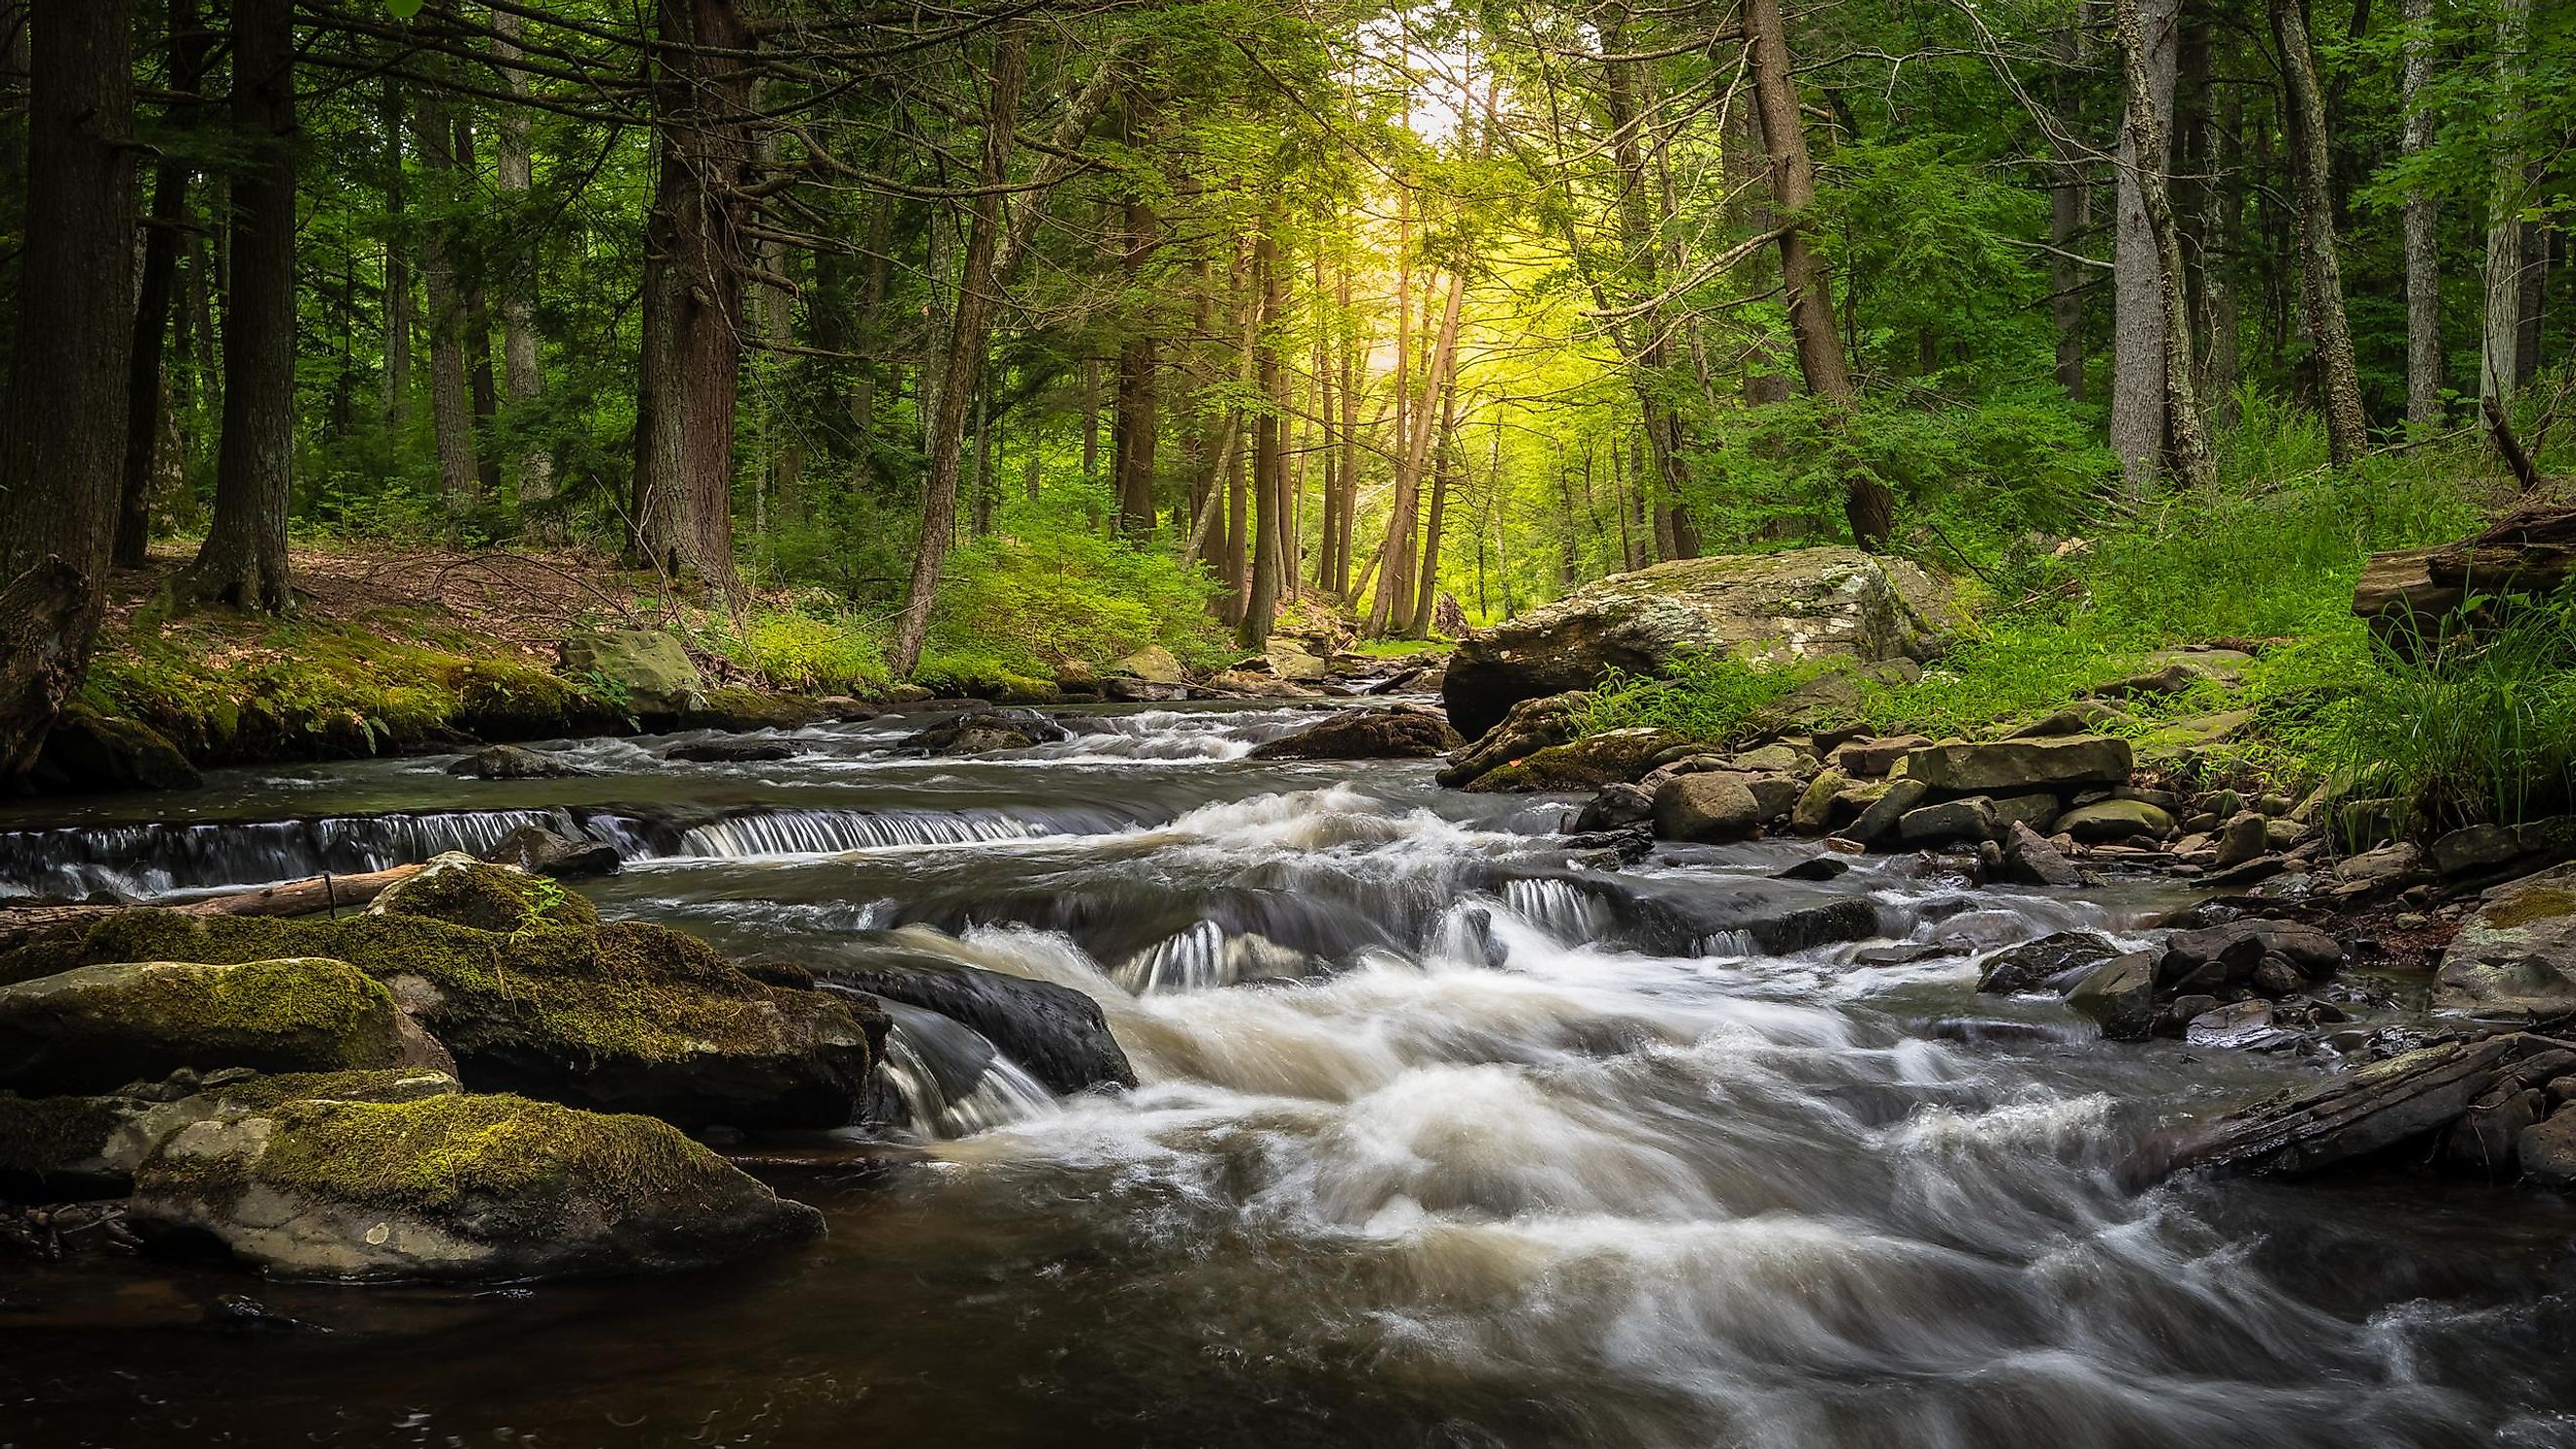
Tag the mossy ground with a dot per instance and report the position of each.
(490, 898)
(43, 1135)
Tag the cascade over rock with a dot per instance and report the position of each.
(1789, 607)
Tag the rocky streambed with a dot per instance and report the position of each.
(1139, 1077)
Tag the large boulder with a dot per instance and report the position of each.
(624, 1017)
(53, 1148)
(1813, 603)
(1396, 732)
(457, 1188)
(1531, 726)
(2517, 952)
(95, 1027)
(977, 732)
(2013, 767)
(1718, 806)
(1055, 1032)
(1582, 764)
(1152, 664)
(87, 752)
(646, 669)
(489, 896)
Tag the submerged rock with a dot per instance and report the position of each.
(731, 752)
(511, 762)
(457, 1188)
(985, 731)
(1396, 732)
(1813, 603)
(98, 1026)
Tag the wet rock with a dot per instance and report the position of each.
(96, 1027)
(1814, 813)
(1709, 807)
(2119, 994)
(457, 888)
(1873, 758)
(458, 1188)
(1616, 805)
(542, 851)
(2031, 860)
(510, 762)
(1802, 930)
(2517, 952)
(87, 752)
(63, 1146)
(2547, 1151)
(2105, 821)
(1397, 732)
(2213, 957)
(645, 669)
(2237, 1026)
(1531, 726)
(731, 752)
(2084, 716)
(1055, 1032)
(2243, 839)
(1951, 820)
(1879, 820)
(1580, 764)
(2483, 1141)
(2475, 848)
(1816, 867)
(2000, 767)
(2276, 978)
(1795, 605)
(2035, 965)
(985, 731)
(1910, 954)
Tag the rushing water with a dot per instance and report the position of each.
(1441, 1141)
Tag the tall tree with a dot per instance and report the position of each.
(514, 172)
(1270, 494)
(243, 560)
(62, 420)
(156, 293)
(451, 409)
(2144, 138)
(2138, 282)
(2320, 270)
(2500, 355)
(2423, 247)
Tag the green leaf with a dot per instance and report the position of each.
(403, 9)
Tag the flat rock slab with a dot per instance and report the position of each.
(1960, 767)
(2517, 953)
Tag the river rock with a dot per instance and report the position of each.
(1581, 764)
(2213, 957)
(1707, 807)
(2475, 848)
(623, 1017)
(535, 848)
(1396, 732)
(459, 889)
(2105, 821)
(1814, 813)
(984, 731)
(2547, 1151)
(731, 752)
(2119, 994)
(57, 1147)
(95, 1027)
(2370, 1110)
(1055, 1032)
(1253, 684)
(86, 752)
(1153, 664)
(2014, 767)
(1879, 819)
(1949, 821)
(2240, 840)
(2517, 952)
(1871, 759)
(647, 670)
(512, 762)
(1291, 660)
(458, 1188)
(2483, 1141)
(2047, 961)
(2082, 717)
(1618, 804)
(2031, 860)
(1784, 607)
(1532, 725)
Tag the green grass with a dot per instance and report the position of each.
(813, 653)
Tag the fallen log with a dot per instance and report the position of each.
(305, 897)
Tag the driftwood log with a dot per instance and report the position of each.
(2409, 593)
(305, 897)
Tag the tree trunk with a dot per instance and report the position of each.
(2534, 308)
(397, 306)
(1649, 351)
(451, 408)
(692, 304)
(1269, 481)
(1443, 463)
(2138, 317)
(2320, 270)
(514, 171)
(2500, 358)
(1346, 517)
(2423, 248)
(2144, 137)
(147, 400)
(964, 362)
(1133, 425)
(1867, 504)
(62, 420)
(243, 561)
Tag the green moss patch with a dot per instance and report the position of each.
(40, 1136)
(488, 897)
(101, 1025)
(2546, 903)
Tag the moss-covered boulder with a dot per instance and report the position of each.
(464, 891)
(645, 669)
(2517, 953)
(1583, 764)
(625, 1017)
(88, 752)
(68, 1147)
(457, 1188)
(101, 1025)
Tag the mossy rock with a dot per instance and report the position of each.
(629, 1016)
(504, 699)
(734, 707)
(644, 669)
(100, 1025)
(88, 752)
(463, 891)
(1585, 764)
(64, 1147)
(457, 1188)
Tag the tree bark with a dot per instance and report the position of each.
(1443, 463)
(1867, 503)
(451, 408)
(2500, 358)
(62, 419)
(2320, 270)
(2144, 137)
(2423, 247)
(1648, 346)
(243, 561)
(2138, 316)
(693, 320)
(514, 172)
(965, 355)
(1133, 423)
(1269, 488)
(146, 397)
(397, 304)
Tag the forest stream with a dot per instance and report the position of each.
(1439, 1141)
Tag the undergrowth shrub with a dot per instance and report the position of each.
(1044, 591)
(839, 653)
(1712, 697)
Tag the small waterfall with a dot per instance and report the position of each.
(1565, 910)
(827, 832)
(153, 859)
(1203, 957)
(952, 1082)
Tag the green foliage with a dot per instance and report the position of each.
(1716, 698)
(813, 653)
(1046, 590)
